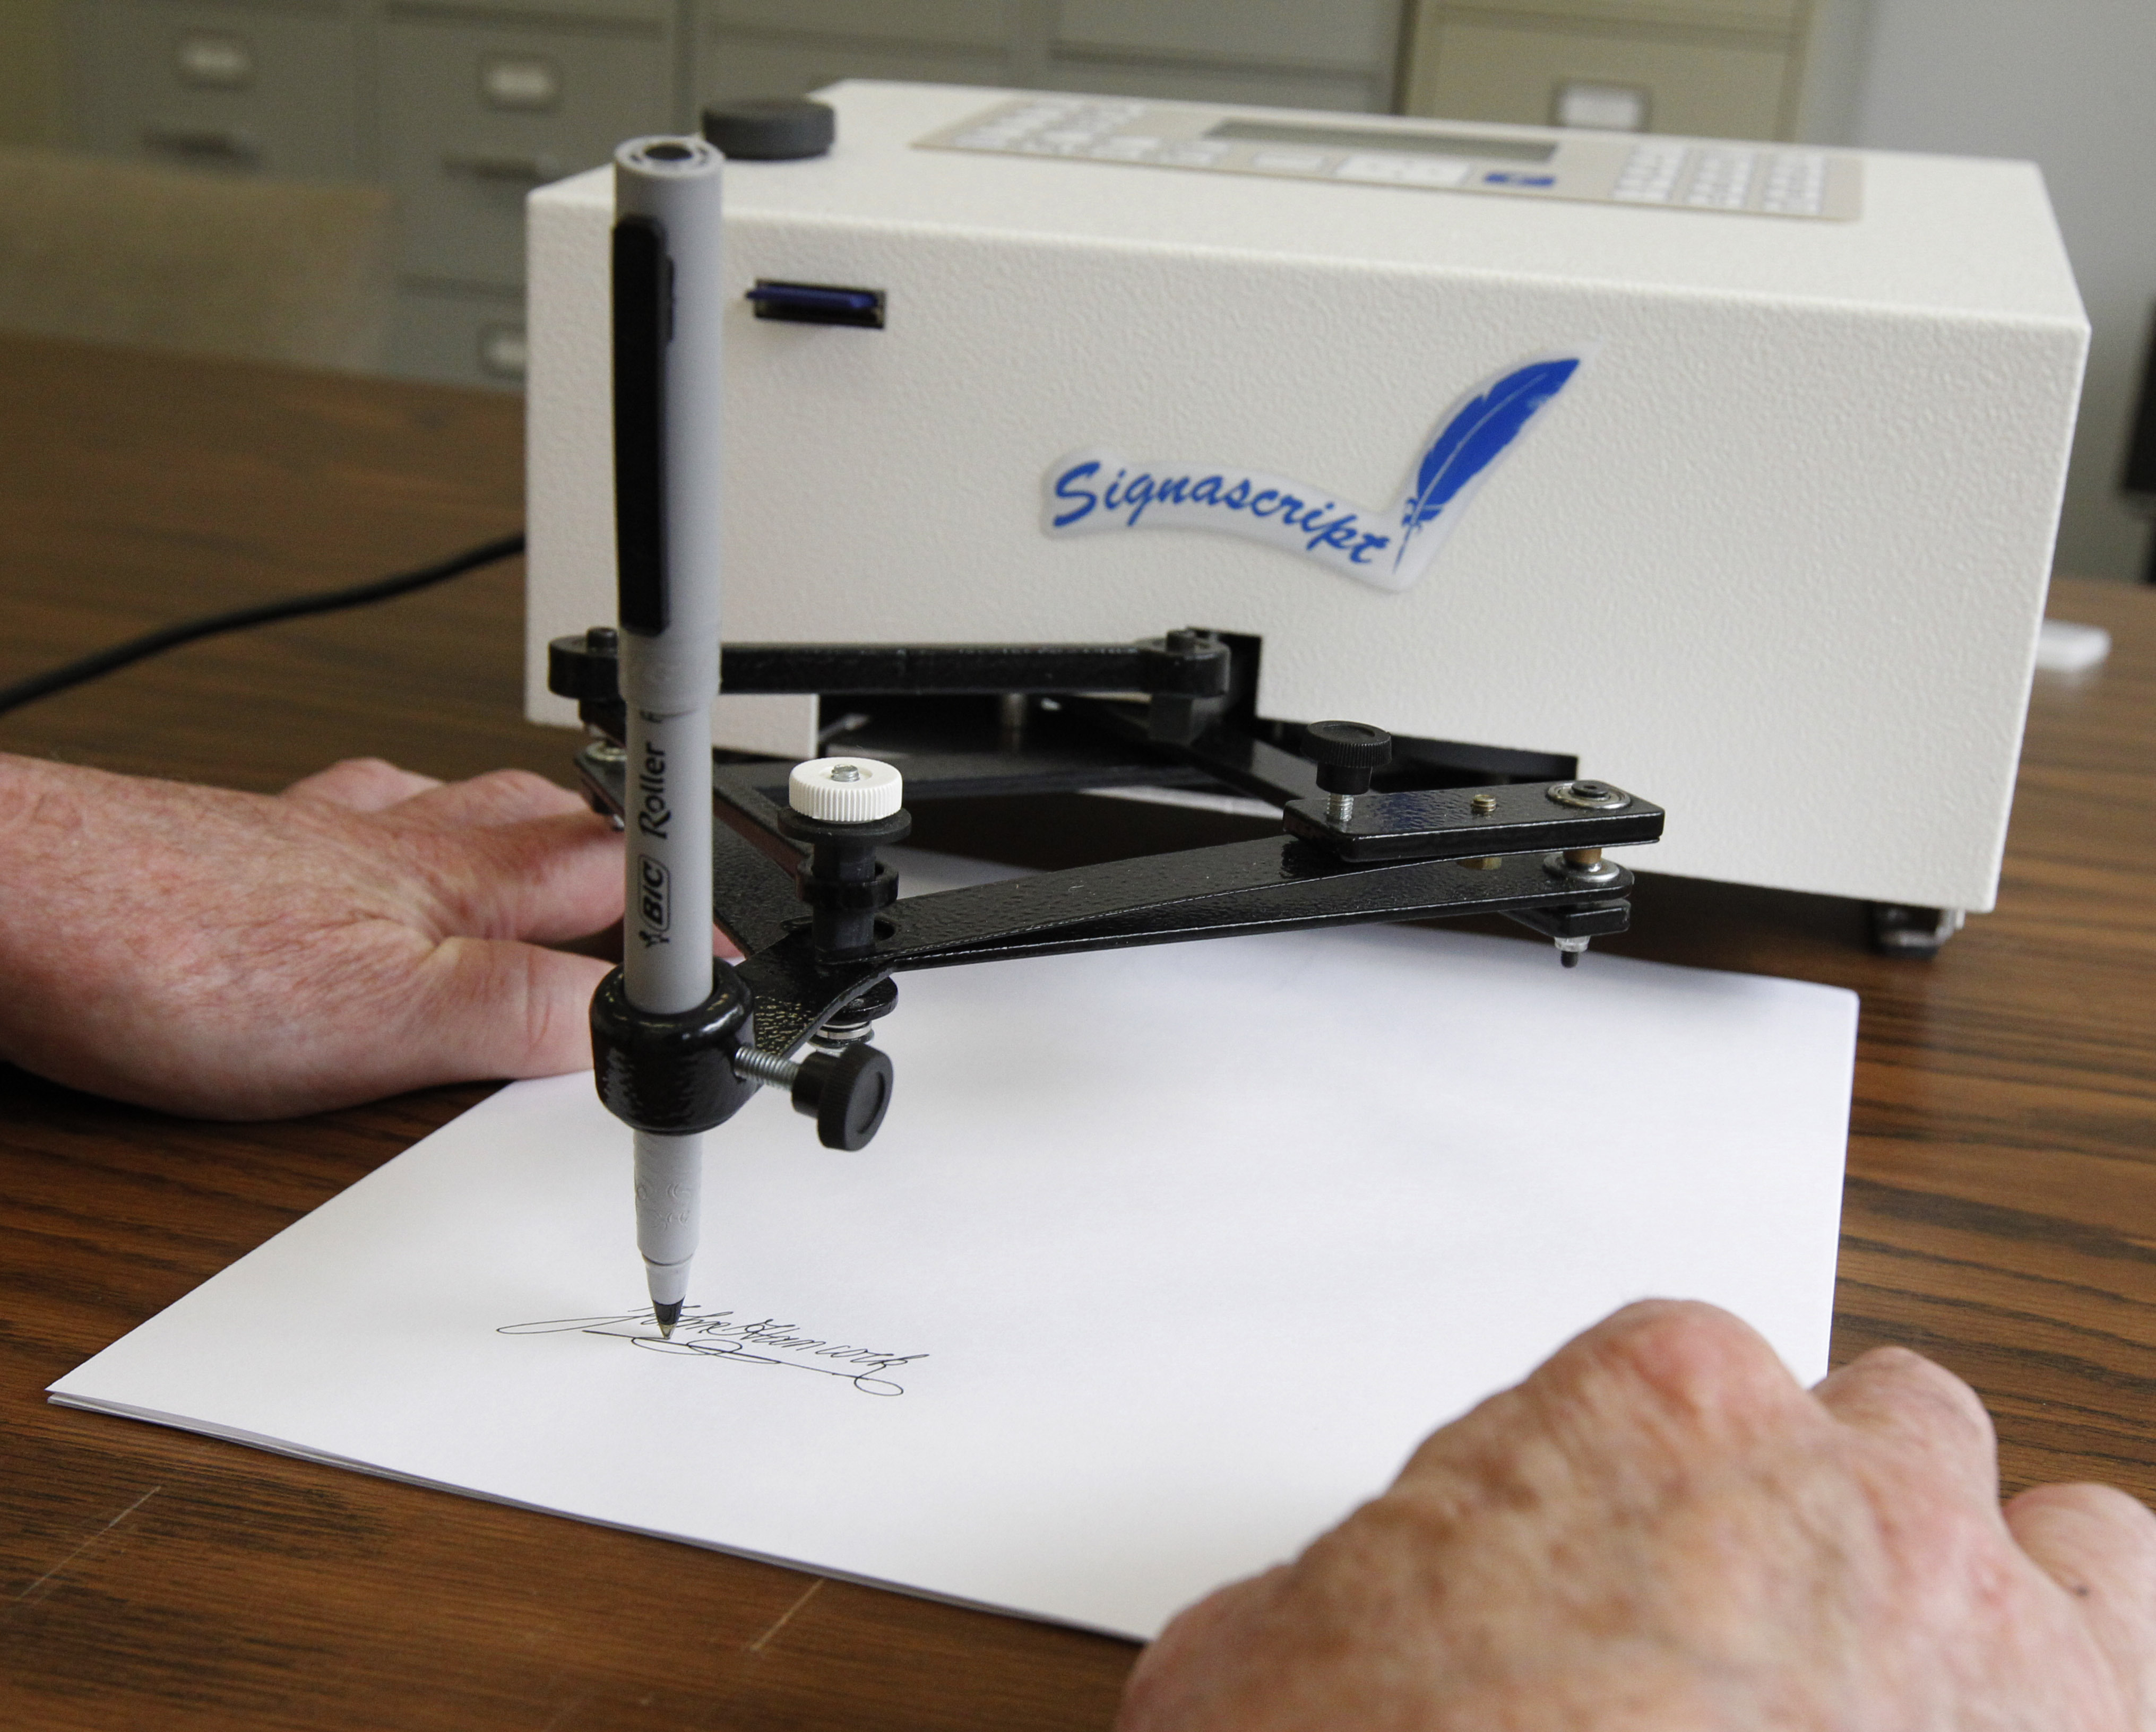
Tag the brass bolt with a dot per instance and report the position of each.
(1583, 857)
(1483, 862)
(1484, 803)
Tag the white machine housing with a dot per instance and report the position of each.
(1776, 557)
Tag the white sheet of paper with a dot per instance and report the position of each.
(1163, 1261)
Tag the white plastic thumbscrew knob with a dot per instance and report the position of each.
(845, 790)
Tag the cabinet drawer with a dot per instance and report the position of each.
(222, 86)
(966, 24)
(731, 67)
(1345, 32)
(474, 116)
(1472, 70)
(1780, 17)
(469, 339)
(1344, 92)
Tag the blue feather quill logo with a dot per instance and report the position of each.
(1475, 437)
(1096, 490)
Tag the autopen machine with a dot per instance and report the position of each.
(795, 866)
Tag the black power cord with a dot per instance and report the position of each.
(330, 600)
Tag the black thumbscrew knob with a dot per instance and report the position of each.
(847, 1093)
(1345, 753)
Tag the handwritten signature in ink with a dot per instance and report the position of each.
(721, 1334)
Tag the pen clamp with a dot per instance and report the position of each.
(672, 1073)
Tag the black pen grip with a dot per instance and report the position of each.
(642, 294)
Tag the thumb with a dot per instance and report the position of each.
(495, 1008)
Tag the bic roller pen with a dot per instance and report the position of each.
(666, 311)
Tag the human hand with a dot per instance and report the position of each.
(236, 955)
(1659, 1528)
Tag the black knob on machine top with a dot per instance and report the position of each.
(771, 132)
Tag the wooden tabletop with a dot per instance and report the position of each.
(2000, 1213)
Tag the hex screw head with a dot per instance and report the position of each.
(1589, 796)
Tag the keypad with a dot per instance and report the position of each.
(1675, 173)
(1722, 177)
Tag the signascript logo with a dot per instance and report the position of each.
(1097, 490)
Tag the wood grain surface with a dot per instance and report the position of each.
(2001, 1210)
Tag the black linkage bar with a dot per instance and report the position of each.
(1271, 885)
(1184, 665)
(1274, 883)
(1444, 824)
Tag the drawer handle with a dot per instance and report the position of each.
(215, 59)
(525, 171)
(233, 148)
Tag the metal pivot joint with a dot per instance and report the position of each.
(672, 1073)
(1347, 753)
(856, 1020)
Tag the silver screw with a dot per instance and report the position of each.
(1569, 950)
(1011, 709)
(1484, 803)
(845, 772)
(1575, 866)
(752, 1064)
(1339, 810)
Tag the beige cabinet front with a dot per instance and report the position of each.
(475, 115)
(1478, 66)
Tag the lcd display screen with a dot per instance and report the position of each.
(1352, 138)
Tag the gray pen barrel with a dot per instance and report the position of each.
(666, 322)
(667, 314)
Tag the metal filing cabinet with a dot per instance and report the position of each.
(476, 112)
(264, 88)
(462, 106)
(1717, 68)
(767, 47)
(1286, 53)
(463, 333)
(480, 103)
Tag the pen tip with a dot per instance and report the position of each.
(667, 1316)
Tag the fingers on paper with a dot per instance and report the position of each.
(1894, 1395)
(1670, 1365)
(1657, 1383)
(2099, 1545)
(361, 785)
(495, 1008)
